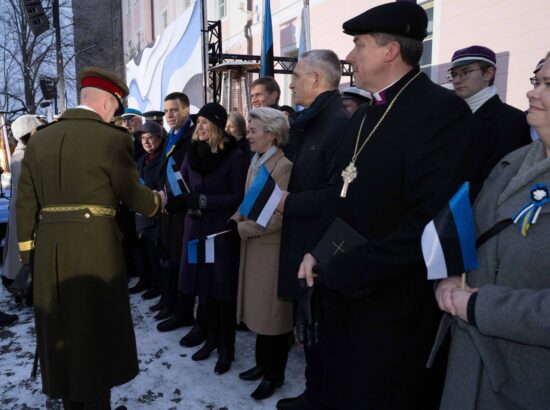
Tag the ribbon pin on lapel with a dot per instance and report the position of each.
(529, 213)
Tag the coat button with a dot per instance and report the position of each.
(87, 215)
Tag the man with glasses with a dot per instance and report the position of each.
(502, 128)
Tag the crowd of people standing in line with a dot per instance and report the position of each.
(377, 160)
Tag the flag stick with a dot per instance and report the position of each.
(463, 280)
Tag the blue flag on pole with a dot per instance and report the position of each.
(261, 199)
(266, 62)
(448, 241)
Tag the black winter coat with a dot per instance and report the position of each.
(170, 232)
(150, 176)
(502, 129)
(379, 309)
(313, 138)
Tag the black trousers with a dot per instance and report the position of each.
(103, 403)
(220, 320)
(272, 355)
(153, 263)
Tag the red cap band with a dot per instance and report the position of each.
(103, 84)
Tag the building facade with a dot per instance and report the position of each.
(515, 31)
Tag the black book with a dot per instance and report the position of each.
(339, 238)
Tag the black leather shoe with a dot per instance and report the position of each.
(224, 361)
(164, 313)
(204, 352)
(139, 287)
(194, 338)
(173, 323)
(151, 294)
(296, 403)
(6, 320)
(255, 373)
(157, 306)
(265, 389)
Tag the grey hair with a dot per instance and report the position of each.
(327, 62)
(273, 121)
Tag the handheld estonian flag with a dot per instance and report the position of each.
(201, 250)
(266, 59)
(448, 241)
(175, 179)
(262, 198)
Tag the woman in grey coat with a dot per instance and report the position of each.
(500, 349)
(21, 129)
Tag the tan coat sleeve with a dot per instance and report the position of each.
(250, 229)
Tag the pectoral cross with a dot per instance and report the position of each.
(348, 175)
(338, 248)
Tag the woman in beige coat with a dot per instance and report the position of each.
(257, 303)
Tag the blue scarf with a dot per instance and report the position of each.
(173, 138)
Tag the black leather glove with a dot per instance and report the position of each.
(6, 282)
(192, 201)
(308, 315)
(21, 285)
(233, 226)
(175, 204)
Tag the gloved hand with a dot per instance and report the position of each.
(308, 315)
(175, 204)
(233, 226)
(192, 200)
(22, 282)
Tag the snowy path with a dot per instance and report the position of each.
(168, 378)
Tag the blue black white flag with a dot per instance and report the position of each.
(266, 59)
(202, 250)
(175, 179)
(261, 199)
(448, 241)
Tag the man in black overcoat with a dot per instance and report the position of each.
(313, 138)
(501, 127)
(410, 150)
(176, 309)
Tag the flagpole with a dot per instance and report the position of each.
(463, 284)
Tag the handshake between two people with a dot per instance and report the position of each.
(191, 201)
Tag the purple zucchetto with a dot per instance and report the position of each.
(473, 54)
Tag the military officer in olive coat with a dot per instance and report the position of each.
(72, 177)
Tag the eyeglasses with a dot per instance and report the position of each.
(148, 138)
(534, 82)
(464, 75)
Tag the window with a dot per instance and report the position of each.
(165, 18)
(222, 10)
(426, 59)
(187, 4)
(138, 41)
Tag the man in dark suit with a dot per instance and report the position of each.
(73, 175)
(402, 158)
(313, 138)
(176, 308)
(502, 128)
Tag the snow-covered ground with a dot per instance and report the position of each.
(168, 378)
